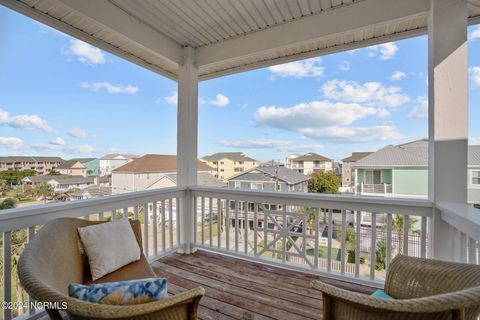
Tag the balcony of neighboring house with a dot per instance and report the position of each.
(256, 252)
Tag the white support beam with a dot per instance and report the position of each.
(187, 133)
(354, 17)
(448, 114)
(117, 20)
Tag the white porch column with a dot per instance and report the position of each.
(448, 114)
(187, 131)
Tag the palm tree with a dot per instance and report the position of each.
(397, 225)
(44, 190)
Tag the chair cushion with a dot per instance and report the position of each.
(381, 294)
(109, 246)
(121, 292)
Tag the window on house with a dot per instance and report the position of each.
(238, 184)
(256, 186)
(240, 162)
(476, 177)
(373, 176)
(279, 187)
(221, 162)
(222, 170)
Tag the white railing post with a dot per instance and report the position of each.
(187, 132)
(448, 114)
(361, 188)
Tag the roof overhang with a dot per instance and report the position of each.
(231, 37)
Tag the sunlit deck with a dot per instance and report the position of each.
(240, 289)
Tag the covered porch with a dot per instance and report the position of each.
(287, 237)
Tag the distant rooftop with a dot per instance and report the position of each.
(69, 163)
(113, 156)
(234, 156)
(30, 159)
(311, 156)
(64, 178)
(156, 163)
(356, 156)
(288, 175)
(203, 179)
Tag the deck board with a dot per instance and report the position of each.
(240, 289)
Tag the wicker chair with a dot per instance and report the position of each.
(55, 258)
(423, 289)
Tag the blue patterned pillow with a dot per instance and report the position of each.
(121, 292)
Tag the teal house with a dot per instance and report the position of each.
(93, 167)
(402, 171)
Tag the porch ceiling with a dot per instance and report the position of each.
(230, 36)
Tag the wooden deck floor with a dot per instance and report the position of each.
(239, 289)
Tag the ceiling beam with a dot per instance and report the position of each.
(356, 16)
(116, 20)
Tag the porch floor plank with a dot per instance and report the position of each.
(240, 289)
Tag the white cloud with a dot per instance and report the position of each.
(85, 53)
(24, 121)
(11, 143)
(75, 149)
(474, 74)
(421, 109)
(344, 66)
(353, 134)
(77, 133)
(326, 121)
(58, 142)
(171, 99)
(220, 100)
(475, 34)
(281, 145)
(299, 69)
(96, 86)
(398, 75)
(311, 115)
(386, 51)
(371, 93)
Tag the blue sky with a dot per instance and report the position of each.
(60, 96)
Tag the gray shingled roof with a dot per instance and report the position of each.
(311, 156)
(203, 179)
(66, 179)
(285, 174)
(30, 159)
(411, 154)
(356, 156)
(235, 156)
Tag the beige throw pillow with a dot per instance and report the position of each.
(109, 246)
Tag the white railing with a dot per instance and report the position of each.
(311, 232)
(465, 221)
(378, 188)
(157, 210)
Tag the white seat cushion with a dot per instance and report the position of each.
(109, 246)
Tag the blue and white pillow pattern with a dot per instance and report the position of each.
(121, 292)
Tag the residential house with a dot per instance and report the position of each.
(92, 191)
(62, 183)
(110, 162)
(348, 173)
(148, 171)
(41, 165)
(93, 167)
(402, 171)
(309, 163)
(75, 167)
(229, 164)
(271, 178)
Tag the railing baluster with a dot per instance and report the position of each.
(154, 228)
(265, 228)
(114, 215)
(342, 245)
(373, 246)
(145, 229)
(315, 249)
(135, 212)
(285, 234)
(406, 223)
(219, 222)
(245, 226)
(330, 232)
(195, 218)
(227, 223)
(358, 225)
(170, 223)
(463, 247)
(7, 273)
(178, 219)
(203, 220)
(423, 239)
(255, 229)
(389, 241)
(210, 224)
(472, 251)
(164, 236)
(236, 225)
